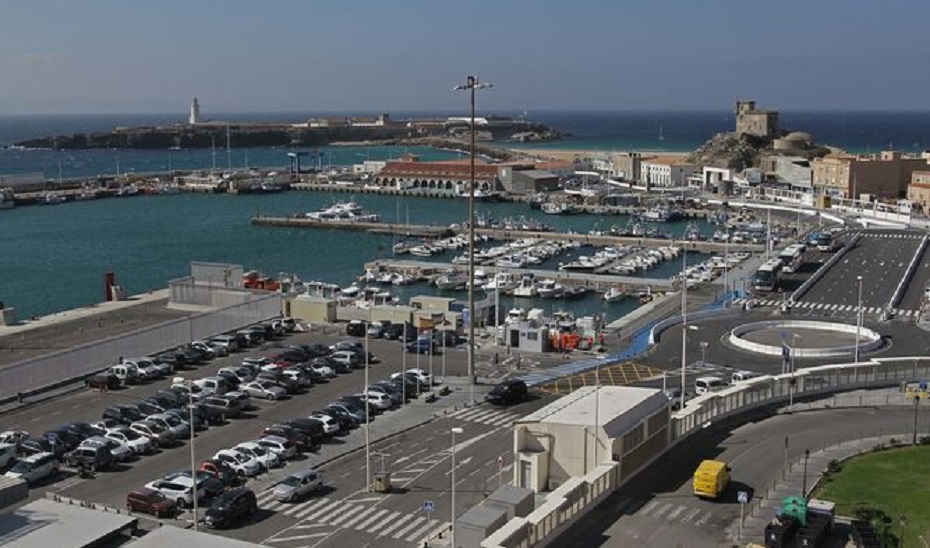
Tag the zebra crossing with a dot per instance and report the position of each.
(484, 415)
(671, 512)
(909, 236)
(825, 307)
(343, 514)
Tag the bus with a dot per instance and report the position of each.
(766, 278)
(792, 257)
(823, 241)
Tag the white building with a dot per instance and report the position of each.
(665, 172)
(573, 435)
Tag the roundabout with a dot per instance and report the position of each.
(804, 339)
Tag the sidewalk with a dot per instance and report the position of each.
(761, 508)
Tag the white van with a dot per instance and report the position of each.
(741, 376)
(127, 373)
(703, 385)
(218, 385)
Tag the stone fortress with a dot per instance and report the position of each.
(758, 123)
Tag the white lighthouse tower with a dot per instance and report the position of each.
(195, 112)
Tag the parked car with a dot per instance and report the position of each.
(308, 427)
(155, 432)
(269, 459)
(266, 390)
(63, 437)
(422, 376)
(346, 420)
(284, 448)
(150, 501)
(125, 414)
(229, 342)
(298, 485)
(243, 464)
(178, 490)
(221, 471)
(137, 443)
(330, 425)
(147, 369)
(375, 330)
(207, 482)
(103, 381)
(34, 467)
(355, 328)
(346, 357)
(186, 415)
(509, 392)
(290, 324)
(361, 403)
(357, 413)
(377, 399)
(83, 430)
(390, 391)
(35, 446)
(243, 374)
(233, 506)
(301, 441)
(211, 415)
(94, 458)
(218, 385)
(323, 369)
(119, 450)
(7, 455)
(178, 428)
(151, 406)
(230, 408)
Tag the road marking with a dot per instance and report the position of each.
(358, 517)
(649, 507)
(704, 519)
(401, 520)
(665, 507)
(399, 479)
(324, 509)
(310, 525)
(369, 499)
(416, 470)
(691, 515)
(298, 537)
(409, 526)
(346, 514)
(371, 519)
(294, 508)
(460, 463)
(347, 474)
(311, 507)
(674, 513)
(418, 534)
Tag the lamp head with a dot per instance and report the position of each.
(458, 430)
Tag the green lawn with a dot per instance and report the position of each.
(896, 481)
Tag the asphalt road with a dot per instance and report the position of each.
(914, 294)
(658, 508)
(881, 258)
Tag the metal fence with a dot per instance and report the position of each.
(41, 373)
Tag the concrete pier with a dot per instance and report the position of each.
(435, 231)
(597, 282)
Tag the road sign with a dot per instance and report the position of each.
(428, 505)
(742, 497)
(500, 461)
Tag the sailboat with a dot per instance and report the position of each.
(661, 134)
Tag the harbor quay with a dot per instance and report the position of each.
(434, 231)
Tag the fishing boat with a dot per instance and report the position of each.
(549, 289)
(575, 293)
(660, 215)
(614, 294)
(451, 280)
(53, 199)
(527, 287)
(6, 198)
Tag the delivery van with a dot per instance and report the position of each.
(711, 479)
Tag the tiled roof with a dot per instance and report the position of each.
(437, 169)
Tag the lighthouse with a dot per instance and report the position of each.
(195, 112)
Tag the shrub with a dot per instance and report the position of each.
(878, 447)
(924, 440)
(892, 442)
(834, 466)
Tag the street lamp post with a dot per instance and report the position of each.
(807, 453)
(190, 409)
(684, 319)
(858, 318)
(367, 420)
(471, 85)
(704, 345)
(454, 432)
(916, 404)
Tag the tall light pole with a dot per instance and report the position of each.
(858, 318)
(916, 404)
(471, 85)
(190, 410)
(367, 418)
(684, 318)
(454, 432)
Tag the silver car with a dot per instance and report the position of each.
(265, 390)
(298, 485)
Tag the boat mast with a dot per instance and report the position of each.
(228, 151)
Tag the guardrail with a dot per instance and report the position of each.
(870, 340)
(579, 495)
(908, 274)
(656, 332)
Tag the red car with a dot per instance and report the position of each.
(152, 502)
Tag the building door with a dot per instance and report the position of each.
(515, 338)
(526, 474)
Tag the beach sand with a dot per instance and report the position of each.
(571, 154)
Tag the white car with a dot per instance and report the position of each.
(276, 444)
(256, 362)
(269, 459)
(330, 425)
(15, 437)
(179, 489)
(120, 451)
(244, 464)
(178, 428)
(266, 390)
(34, 467)
(377, 400)
(422, 376)
(137, 443)
(7, 455)
(325, 371)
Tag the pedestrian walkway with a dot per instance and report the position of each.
(824, 307)
(802, 476)
(343, 514)
(483, 415)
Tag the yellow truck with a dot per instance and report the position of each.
(711, 479)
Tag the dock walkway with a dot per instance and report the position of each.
(598, 282)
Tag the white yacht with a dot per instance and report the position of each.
(526, 288)
(451, 280)
(614, 294)
(515, 315)
(511, 261)
(502, 282)
(549, 289)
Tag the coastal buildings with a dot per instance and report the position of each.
(526, 180)
(883, 176)
(758, 123)
(440, 177)
(918, 192)
(792, 171)
(665, 171)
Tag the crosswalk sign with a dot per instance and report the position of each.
(742, 497)
(427, 506)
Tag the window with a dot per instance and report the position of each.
(533, 336)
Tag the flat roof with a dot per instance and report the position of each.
(621, 408)
(169, 535)
(45, 523)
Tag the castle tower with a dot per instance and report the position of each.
(195, 112)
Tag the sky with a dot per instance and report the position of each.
(151, 56)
